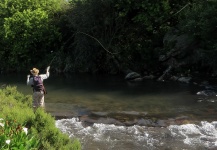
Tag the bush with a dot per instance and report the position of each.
(15, 136)
(40, 124)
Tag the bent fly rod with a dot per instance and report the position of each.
(52, 60)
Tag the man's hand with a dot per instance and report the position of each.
(48, 68)
(28, 76)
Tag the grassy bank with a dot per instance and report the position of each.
(22, 128)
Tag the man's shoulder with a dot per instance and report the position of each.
(43, 76)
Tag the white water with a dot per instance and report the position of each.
(203, 135)
(111, 137)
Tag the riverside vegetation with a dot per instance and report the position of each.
(109, 36)
(21, 128)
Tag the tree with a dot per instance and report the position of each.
(199, 23)
(28, 31)
(131, 31)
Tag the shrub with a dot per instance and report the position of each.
(15, 136)
(41, 125)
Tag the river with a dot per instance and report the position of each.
(109, 113)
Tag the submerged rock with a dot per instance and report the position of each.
(207, 93)
(100, 113)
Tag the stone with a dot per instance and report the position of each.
(132, 75)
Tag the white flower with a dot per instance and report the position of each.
(25, 130)
(8, 141)
(1, 119)
(1, 124)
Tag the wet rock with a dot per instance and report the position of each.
(184, 79)
(137, 79)
(181, 79)
(174, 78)
(145, 122)
(170, 121)
(177, 121)
(86, 121)
(161, 123)
(207, 93)
(110, 121)
(149, 77)
(207, 86)
(132, 76)
(181, 120)
(131, 123)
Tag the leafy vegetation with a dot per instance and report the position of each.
(17, 114)
(27, 31)
(199, 23)
(109, 36)
(15, 136)
(103, 33)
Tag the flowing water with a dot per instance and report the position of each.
(109, 113)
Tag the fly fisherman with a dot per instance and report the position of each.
(36, 81)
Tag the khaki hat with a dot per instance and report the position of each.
(34, 71)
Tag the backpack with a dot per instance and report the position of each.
(38, 84)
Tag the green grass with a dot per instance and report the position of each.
(17, 108)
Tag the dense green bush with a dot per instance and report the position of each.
(28, 31)
(15, 136)
(16, 106)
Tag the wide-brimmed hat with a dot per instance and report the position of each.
(34, 71)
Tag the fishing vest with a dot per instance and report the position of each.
(38, 84)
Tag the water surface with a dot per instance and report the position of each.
(107, 112)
